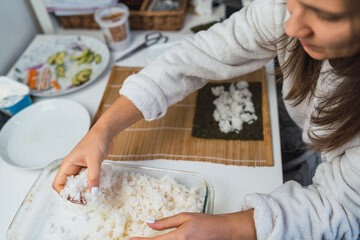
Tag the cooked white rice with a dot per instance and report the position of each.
(233, 107)
(125, 201)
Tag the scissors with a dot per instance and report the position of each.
(150, 39)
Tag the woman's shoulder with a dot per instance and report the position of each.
(274, 8)
(272, 14)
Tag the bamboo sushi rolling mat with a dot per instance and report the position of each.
(170, 137)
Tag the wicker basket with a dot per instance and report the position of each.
(139, 20)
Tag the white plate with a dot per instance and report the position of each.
(43, 132)
(44, 46)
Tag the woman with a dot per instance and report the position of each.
(318, 46)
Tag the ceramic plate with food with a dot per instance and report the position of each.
(56, 65)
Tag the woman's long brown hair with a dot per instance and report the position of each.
(337, 113)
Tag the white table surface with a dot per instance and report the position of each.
(231, 183)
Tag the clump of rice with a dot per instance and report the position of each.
(233, 107)
(126, 199)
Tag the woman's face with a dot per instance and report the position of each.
(324, 28)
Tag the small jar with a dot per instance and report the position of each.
(114, 24)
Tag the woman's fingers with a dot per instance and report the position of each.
(173, 235)
(85, 154)
(166, 223)
(169, 222)
(94, 168)
(167, 236)
(81, 202)
(66, 169)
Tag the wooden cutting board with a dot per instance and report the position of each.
(170, 137)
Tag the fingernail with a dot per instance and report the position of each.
(94, 191)
(150, 220)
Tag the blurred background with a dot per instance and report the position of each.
(21, 20)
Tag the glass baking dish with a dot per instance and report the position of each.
(43, 207)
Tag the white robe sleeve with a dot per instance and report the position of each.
(237, 46)
(327, 209)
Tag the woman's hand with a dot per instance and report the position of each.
(199, 226)
(89, 152)
(95, 146)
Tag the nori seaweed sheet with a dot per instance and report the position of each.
(205, 126)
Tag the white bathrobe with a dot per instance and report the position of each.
(327, 209)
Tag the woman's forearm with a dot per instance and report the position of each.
(121, 114)
(241, 225)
